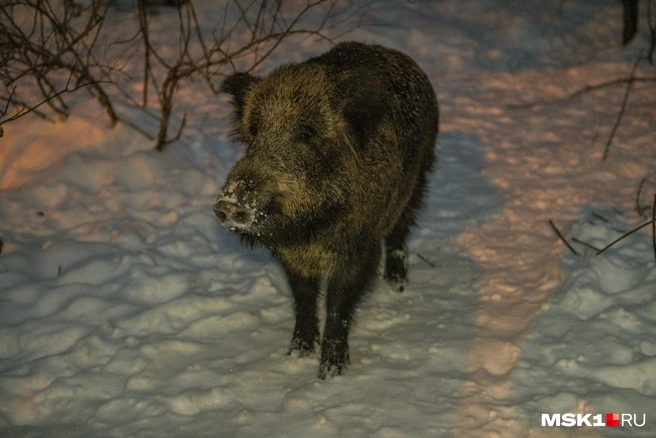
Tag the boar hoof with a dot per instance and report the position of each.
(301, 348)
(396, 270)
(334, 359)
(397, 284)
(232, 214)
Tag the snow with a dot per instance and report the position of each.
(127, 311)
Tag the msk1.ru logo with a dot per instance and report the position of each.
(612, 420)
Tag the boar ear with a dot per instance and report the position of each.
(238, 85)
(362, 115)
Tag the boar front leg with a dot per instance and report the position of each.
(346, 286)
(306, 330)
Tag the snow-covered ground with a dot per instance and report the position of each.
(126, 311)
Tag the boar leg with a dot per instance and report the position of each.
(396, 251)
(346, 286)
(306, 330)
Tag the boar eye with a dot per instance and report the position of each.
(305, 133)
(253, 130)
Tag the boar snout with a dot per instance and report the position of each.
(232, 214)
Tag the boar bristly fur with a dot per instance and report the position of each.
(338, 151)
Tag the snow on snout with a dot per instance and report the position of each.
(232, 211)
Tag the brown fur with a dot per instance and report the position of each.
(338, 151)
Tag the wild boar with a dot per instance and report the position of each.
(338, 151)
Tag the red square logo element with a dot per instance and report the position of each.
(612, 419)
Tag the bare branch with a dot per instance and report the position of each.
(624, 236)
(618, 120)
(562, 237)
(28, 109)
(639, 208)
(582, 91)
(653, 225)
(59, 49)
(652, 32)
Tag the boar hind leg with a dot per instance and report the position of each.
(346, 286)
(306, 330)
(396, 251)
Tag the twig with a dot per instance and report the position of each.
(653, 225)
(580, 92)
(639, 208)
(574, 239)
(652, 33)
(624, 236)
(178, 135)
(425, 260)
(562, 238)
(143, 26)
(600, 217)
(618, 120)
(26, 110)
